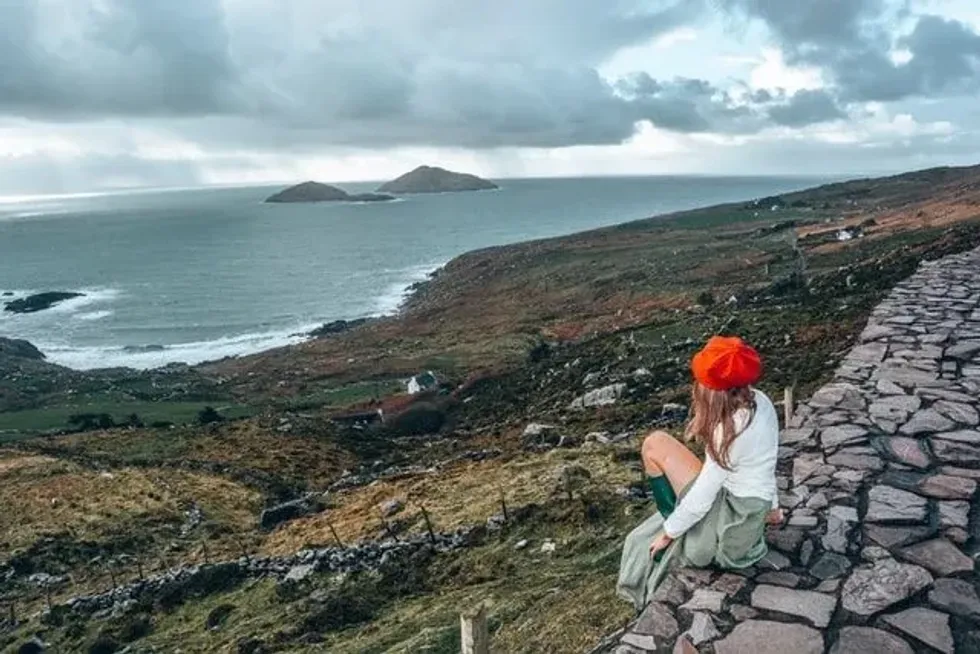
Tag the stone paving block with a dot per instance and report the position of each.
(815, 607)
(925, 625)
(871, 589)
(955, 596)
(889, 504)
(767, 637)
(939, 556)
(865, 640)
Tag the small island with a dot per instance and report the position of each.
(317, 192)
(39, 302)
(432, 179)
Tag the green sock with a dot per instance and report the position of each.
(666, 499)
(663, 494)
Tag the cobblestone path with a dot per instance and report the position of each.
(878, 476)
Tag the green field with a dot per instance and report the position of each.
(16, 424)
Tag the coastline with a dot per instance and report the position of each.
(428, 288)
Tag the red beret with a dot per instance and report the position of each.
(725, 363)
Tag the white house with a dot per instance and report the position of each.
(422, 382)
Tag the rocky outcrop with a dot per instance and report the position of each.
(317, 192)
(274, 516)
(39, 301)
(431, 179)
(19, 349)
(878, 476)
(336, 327)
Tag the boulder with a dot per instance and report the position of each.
(280, 513)
(599, 397)
(218, 615)
(391, 507)
(336, 327)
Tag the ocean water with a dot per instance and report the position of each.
(196, 275)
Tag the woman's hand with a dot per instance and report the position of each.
(659, 543)
(775, 517)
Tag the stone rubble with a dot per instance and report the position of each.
(878, 476)
(202, 579)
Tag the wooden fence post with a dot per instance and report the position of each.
(473, 629)
(788, 407)
(336, 538)
(428, 524)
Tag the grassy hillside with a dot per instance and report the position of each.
(516, 334)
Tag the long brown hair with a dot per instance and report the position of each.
(709, 409)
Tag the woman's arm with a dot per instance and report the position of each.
(698, 500)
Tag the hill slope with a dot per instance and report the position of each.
(430, 179)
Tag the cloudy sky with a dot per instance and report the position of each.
(109, 93)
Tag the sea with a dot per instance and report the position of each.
(191, 275)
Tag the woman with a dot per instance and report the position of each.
(724, 503)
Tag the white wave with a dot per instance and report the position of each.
(89, 297)
(93, 315)
(88, 358)
(396, 293)
(82, 307)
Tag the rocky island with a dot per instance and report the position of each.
(432, 179)
(317, 192)
(39, 301)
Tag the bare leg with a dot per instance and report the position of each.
(664, 455)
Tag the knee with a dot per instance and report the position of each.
(654, 445)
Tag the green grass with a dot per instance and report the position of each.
(15, 424)
(338, 397)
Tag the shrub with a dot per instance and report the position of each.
(90, 421)
(209, 415)
(417, 420)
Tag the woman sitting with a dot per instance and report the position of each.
(724, 503)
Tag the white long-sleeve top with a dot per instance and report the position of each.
(753, 468)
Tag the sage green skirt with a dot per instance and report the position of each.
(731, 535)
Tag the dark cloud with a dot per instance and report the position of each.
(343, 72)
(806, 108)
(367, 73)
(116, 57)
(254, 75)
(852, 40)
(687, 105)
